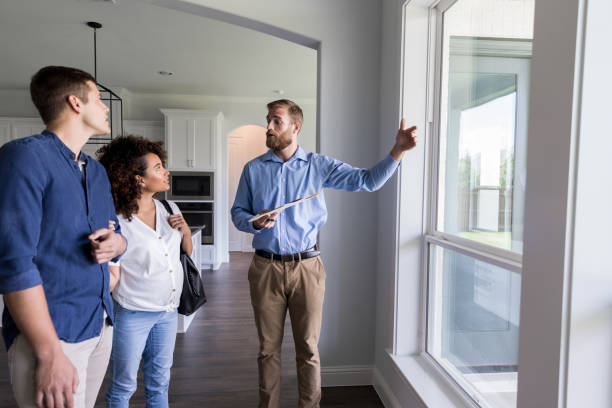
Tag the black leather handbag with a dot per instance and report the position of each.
(192, 296)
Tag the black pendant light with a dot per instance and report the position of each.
(110, 98)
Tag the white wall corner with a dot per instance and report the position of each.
(384, 391)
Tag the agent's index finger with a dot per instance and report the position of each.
(403, 124)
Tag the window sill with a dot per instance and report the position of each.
(434, 389)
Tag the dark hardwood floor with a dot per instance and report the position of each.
(215, 361)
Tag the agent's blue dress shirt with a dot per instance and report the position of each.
(45, 218)
(267, 183)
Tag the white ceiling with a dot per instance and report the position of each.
(137, 40)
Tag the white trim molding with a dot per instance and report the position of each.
(343, 376)
(384, 391)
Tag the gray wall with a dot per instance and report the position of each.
(349, 75)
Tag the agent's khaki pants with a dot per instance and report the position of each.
(299, 287)
(90, 357)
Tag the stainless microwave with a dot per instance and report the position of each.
(191, 185)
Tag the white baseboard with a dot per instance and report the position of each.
(342, 376)
(383, 390)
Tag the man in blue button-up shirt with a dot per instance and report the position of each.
(286, 272)
(56, 212)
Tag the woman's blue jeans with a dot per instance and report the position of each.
(151, 335)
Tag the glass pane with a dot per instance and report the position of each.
(483, 120)
(473, 325)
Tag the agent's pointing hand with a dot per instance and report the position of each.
(406, 139)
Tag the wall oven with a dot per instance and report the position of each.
(191, 185)
(199, 214)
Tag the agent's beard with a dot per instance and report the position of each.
(277, 142)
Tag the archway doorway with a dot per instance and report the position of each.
(243, 144)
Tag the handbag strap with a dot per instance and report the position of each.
(169, 209)
(167, 205)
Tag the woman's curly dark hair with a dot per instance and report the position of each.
(124, 159)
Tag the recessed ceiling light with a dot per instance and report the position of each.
(165, 73)
(278, 91)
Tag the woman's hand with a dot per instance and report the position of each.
(177, 221)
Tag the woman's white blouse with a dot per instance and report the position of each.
(151, 276)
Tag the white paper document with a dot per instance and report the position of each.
(282, 207)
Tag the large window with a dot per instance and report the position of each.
(475, 229)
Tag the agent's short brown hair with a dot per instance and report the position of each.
(51, 86)
(124, 159)
(295, 112)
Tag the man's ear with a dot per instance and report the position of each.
(298, 127)
(74, 103)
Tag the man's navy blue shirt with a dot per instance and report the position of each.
(45, 218)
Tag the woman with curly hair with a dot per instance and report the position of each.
(150, 275)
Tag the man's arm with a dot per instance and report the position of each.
(106, 244)
(342, 176)
(21, 196)
(242, 209)
(56, 378)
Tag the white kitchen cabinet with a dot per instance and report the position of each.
(196, 255)
(5, 131)
(27, 127)
(152, 130)
(16, 128)
(208, 256)
(194, 142)
(191, 138)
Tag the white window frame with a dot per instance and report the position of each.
(559, 32)
(500, 257)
